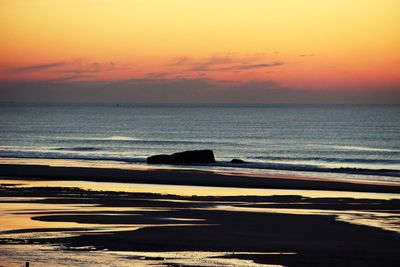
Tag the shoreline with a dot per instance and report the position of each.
(250, 167)
(188, 177)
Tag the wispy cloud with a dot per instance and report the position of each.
(86, 67)
(220, 60)
(179, 61)
(64, 70)
(256, 66)
(240, 67)
(156, 75)
(307, 55)
(38, 67)
(224, 62)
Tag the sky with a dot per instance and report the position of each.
(199, 51)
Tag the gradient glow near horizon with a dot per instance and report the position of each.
(303, 44)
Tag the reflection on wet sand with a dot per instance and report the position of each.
(18, 220)
(192, 229)
(183, 190)
(385, 220)
(9, 258)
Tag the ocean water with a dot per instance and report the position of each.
(361, 142)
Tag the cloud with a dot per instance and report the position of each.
(224, 62)
(219, 59)
(85, 67)
(179, 61)
(38, 67)
(212, 60)
(240, 67)
(306, 55)
(156, 75)
(77, 69)
(256, 66)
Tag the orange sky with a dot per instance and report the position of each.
(306, 44)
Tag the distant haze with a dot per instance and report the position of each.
(185, 91)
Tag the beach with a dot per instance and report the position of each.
(357, 225)
(199, 133)
(309, 186)
(175, 176)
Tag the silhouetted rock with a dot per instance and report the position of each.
(194, 156)
(238, 161)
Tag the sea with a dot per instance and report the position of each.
(359, 142)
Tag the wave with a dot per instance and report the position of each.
(359, 148)
(141, 141)
(78, 149)
(329, 159)
(145, 141)
(315, 168)
(119, 138)
(102, 138)
(74, 157)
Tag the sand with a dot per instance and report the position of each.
(170, 223)
(188, 177)
(312, 239)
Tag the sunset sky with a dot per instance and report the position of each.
(209, 44)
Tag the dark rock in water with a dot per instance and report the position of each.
(238, 161)
(194, 156)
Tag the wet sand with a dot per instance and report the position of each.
(246, 226)
(189, 177)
